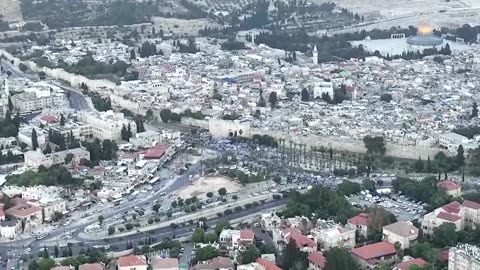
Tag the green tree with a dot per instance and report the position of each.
(418, 166)
(156, 207)
(429, 166)
(290, 254)
(111, 230)
(198, 235)
(368, 184)
(379, 217)
(210, 238)
(62, 120)
(48, 149)
(209, 194)
(68, 158)
(305, 95)
(42, 75)
(386, 97)
(340, 259)
(34, 139)
(165, 115)
(474, 113)
(55, 251)
(46, 264)
(100, 219)
(348, 188)
(222, 191)
(460, 158)
(374, 145)
(249, 255)
(206, 253)
(445, 235)
(273, 99)
(132, 55)
(424, 251)
(222, 225)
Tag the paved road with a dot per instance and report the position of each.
(168, 232)
(77, 100)
(107, 213)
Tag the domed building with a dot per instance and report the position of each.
(425, 37)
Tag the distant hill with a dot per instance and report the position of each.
(10, 10)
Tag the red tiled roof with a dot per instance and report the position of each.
(91, 266)
(453, 207)
(317, 259)
(22, 210)
(131, 260)
(2, 214)
(155, 153)
(164, 263)
(406, 265)
(300, 240)
(375, 250)
(360, 219)
(49, 118)
(447, 185)
(448, 216)
(247, 235)
(60, 268)
(268, 265)
(470, 204)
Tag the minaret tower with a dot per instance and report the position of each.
(315, 55)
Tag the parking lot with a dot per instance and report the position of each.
(403, 208)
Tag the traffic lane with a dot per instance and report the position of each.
(168, 231)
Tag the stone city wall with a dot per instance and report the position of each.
(60, 74)
(222, 128)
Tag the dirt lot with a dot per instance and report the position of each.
(203, 185)
(10, 10)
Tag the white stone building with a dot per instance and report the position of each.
(107, 125)
(464, 257)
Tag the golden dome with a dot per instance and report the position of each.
(425, 29)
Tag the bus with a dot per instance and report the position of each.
(154, 180)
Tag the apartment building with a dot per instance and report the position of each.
(464, 216)
(316, 261)
(10, 229)
(32, 102)
(106, 125)
(30, 215)
(464, 257)
(451, 188)
(369, 256)
(401, 232)
(270, 221)
(236, 239)
(33, 159)
(329, 234)
(450, 213)
(360, 222)
(471, 211)
(25, 136)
